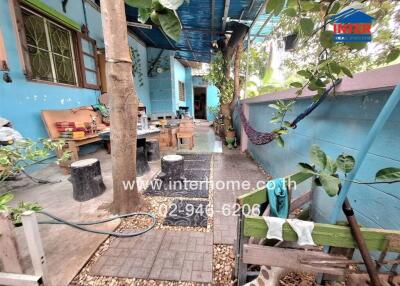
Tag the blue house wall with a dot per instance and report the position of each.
(22, 100)
(339, 125)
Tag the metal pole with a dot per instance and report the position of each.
(375, 129)
(362, 246)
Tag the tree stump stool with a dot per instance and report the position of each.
(172, 168)
(153, 150)
(86, 179)
(142, 165)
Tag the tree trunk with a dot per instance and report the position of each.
(236, 77)
(123, 105)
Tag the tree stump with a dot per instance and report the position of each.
(142, 165)
(86, 179)
(172, 168)
(153, 150)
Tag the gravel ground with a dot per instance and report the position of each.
(223, 258)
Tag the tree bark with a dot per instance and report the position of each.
(123, 105)
(236, 76)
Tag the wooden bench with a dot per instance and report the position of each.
(337, 237)
(83, 114)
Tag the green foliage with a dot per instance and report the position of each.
(326, 170)
(388, 174)
(4, 200)
(22, 207)
(160, 12)
(16, 212)
(216, 76)
(393, 55)
(170, 23)
(15, 158)
(214, 110)
(137, 66)
(318, 157)
(275, 6)
(345, 163)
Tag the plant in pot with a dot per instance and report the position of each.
(230, 137)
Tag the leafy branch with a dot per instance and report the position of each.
(22, 154)
(329, 173)
(162, 13)
(16, 212)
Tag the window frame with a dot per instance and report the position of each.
(82, 53)
(181, 90)
(51, 53)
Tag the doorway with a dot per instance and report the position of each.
(200, 103)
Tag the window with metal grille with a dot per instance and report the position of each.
(50, 49)
(181, 91)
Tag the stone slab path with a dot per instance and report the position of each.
(159, 255)
(232, 168)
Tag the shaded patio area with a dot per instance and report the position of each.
(69, 250)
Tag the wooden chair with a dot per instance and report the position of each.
(338, 237)
(186, 132)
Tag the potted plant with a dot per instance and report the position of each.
(230, 137)
(230, 132)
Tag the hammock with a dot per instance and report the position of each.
(261, 138)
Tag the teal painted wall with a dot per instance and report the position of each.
(21, 101)
(178, 74)
(189, 91)
(212, 94)
(339, 125)
(160, 84)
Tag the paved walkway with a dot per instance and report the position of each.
(159, 255)
(233, 168)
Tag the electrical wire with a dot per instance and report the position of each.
(80, 225)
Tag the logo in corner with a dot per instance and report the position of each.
(352, 25)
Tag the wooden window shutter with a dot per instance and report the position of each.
(88, 62)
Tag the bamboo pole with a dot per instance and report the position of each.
(124, 105)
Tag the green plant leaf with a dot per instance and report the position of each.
(171, 25)
(393, 55)
(144, 15)
(305, 73)
(345, 163)
(280, 141)
(346, 71)
(388, 174)
(326, 39)
(139, 3)
(155, 18)
(335, 8)
(356, 45)
(330, 184)
(307, 168)
(6, 198)
(296, 84)
(291, 12)
(275, 6)
(310, 6)
(318, 157)
(171, 4)
(334, 67)
(331, 165)
(307, 26)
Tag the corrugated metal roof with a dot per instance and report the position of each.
(201, 25)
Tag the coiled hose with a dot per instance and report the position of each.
(80, 225)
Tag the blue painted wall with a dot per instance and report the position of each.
(160, 84)
(21, 101)
(339, 125)
(189, 91)
(212, 94)
(178, 74)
